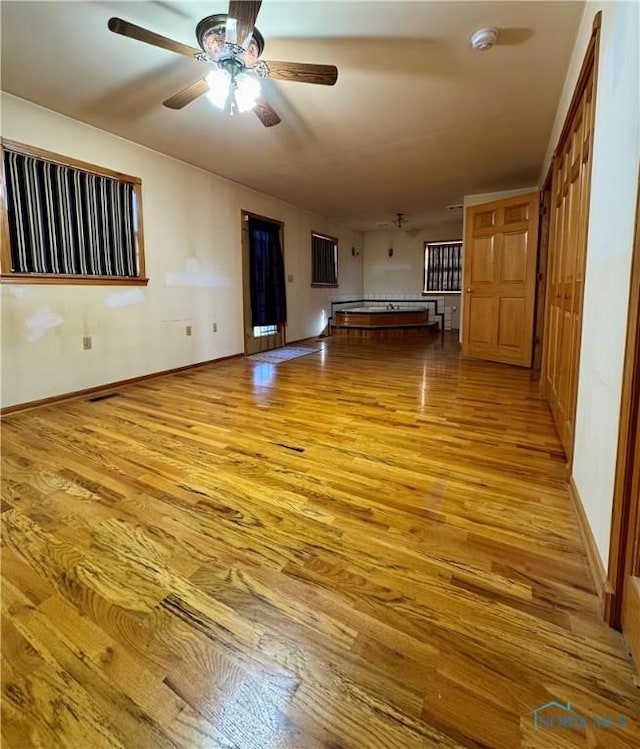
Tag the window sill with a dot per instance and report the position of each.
(35, 278)
(324, 285)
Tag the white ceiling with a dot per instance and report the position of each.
(415, 121)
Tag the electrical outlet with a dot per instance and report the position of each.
(86, 343)
(215, 327)
(188, 330)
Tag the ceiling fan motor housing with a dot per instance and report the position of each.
(216, 24)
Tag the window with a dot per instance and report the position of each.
(262, 330)
(324, 260)
(67, 221)
(442, 267)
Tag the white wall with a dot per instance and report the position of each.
(616, 158)
(192, 231)
(402, 275)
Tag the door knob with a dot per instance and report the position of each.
(469, 290)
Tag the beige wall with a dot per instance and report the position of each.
(403, 274)
(193, 253)
(614, 184)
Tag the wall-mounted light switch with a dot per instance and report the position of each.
(290, 278)
(86, 343)
(215, 327)
(188, 330)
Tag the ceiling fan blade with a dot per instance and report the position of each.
(324, 75)
(244, 13)
(187, 95)
(266, 113)
(118, 26)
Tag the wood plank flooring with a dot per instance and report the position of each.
(371, 546)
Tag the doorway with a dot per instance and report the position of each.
(264, 290)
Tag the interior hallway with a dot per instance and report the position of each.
(370, 546)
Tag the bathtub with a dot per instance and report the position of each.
(373, 321)
(381, 308)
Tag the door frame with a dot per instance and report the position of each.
(539, 325)
(624, 553)
(246, 294)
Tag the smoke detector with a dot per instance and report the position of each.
(484, 39)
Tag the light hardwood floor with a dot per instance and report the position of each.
(370, 546)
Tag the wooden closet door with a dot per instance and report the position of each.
(567, 257)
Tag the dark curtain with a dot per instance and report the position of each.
(323, 259)
(444, 266)
(268, 298)
(68, 221)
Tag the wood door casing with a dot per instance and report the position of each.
(541, 275)
(500, 258)
(631, 587)
(570, 196)
(624, 548)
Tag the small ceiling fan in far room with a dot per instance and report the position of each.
(231, 43)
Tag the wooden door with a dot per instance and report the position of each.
(570, 194)
(500, 256)
(570, 213)
(256, 338)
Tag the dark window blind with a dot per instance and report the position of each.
(324, 260)
(442, 266)
(66, 221)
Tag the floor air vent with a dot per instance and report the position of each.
(102, 397)
(290, 447)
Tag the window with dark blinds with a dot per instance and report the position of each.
(442, 266)
(324, 260)
(67, 221)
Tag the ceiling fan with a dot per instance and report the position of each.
(231, 43)
(400, 220)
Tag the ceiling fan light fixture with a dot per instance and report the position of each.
(219, 82)
(247, 91)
